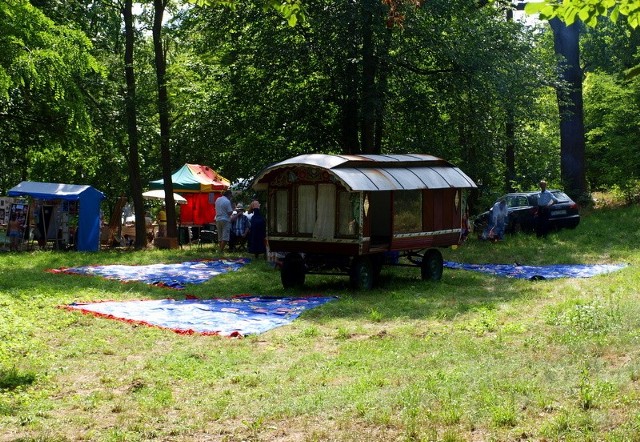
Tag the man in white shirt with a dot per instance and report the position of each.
(545, 201)
(224, 209)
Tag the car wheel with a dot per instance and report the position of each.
(431, 266)
(361, 273)
(293, 271)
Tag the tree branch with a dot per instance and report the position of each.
(421, 71)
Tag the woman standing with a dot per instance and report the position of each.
(257, 234)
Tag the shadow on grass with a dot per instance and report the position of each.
(12, 379)
(400, 292)
(25, 280)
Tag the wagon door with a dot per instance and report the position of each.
(379, 217)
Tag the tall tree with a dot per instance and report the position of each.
(160, 58)
(440, 81)
(564, 17)
(132, 126)
(510, 133)
(588, 11)
(570, 105)
(45, 130)
(370, 64)
(611, 102)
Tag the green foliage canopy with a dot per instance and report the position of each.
(452, 70)
(291, 10)
(587, 11)
(42, 105)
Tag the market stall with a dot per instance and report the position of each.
(63, 213)
(128, 230)
(200, 186)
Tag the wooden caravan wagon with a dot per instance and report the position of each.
(354, 213)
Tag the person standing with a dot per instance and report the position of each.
(499, 219)
(224, 210)
(545, 201)
(256, 243)
(148, 222)
(239, 228)
(162, 221)
(14, 231)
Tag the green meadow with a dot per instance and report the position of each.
(472, 357)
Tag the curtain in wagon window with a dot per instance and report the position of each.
(348, 213)
(282, 211)
(325, 226)
(306, 208)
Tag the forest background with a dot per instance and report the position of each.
(114, 94)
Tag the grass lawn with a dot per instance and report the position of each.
(470, 358)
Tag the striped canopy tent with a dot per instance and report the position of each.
(200, 186)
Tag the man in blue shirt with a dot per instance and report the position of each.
(545, 201)
(240, 226)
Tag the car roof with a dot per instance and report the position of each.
(529, 193)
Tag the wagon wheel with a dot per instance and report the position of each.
(293, 271)
(361, 273)
(431, 266)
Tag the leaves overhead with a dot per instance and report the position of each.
(588, 11)
(256, 82)
(291, 10)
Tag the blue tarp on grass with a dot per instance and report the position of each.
(174, 276)
(539, 272)
(239, 316)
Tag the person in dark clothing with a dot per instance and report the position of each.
(240, 226)
(545, 200)
(257, 234)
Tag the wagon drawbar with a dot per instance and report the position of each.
(352, 214)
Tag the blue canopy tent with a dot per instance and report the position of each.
(88, 199)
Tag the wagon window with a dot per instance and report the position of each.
(407, 211)
(306, 208)
(348, 213)
(282, 210)
(325, 225)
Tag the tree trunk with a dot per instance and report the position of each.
(163, 112)
(349, 102)
(510, 151)
(569, 93)
(132, 128)
(369, 65)
(383, 83)
(510, 133)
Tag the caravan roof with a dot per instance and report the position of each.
(377, 172)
